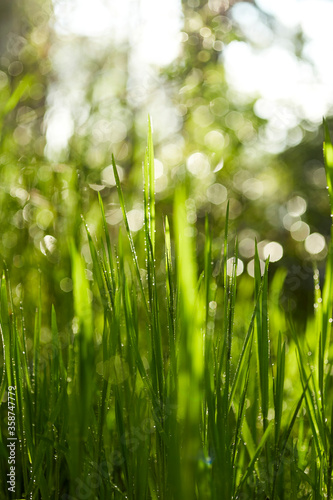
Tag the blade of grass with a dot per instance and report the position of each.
(255, 457)
(6, 331)
(287, 435)
(328, 160)
(108, 243)
(191, 360)
(84, 365)
(279, 386)
(129, 234)
(150, 157)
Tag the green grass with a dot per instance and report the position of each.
(168, 386)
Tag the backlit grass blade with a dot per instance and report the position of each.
(129, 234)
(287, 434)
(108, 242)
(151, 171)
(191, 362)
(276, 314)
(187, 272)
(24, 84)
(149, 226)
(82, 305)
(173, 466)
(239, 422)
(100, 273)
(26, 371)
(248, 336)
(171, 301)
(328, 158)
(208, 267)
(146, 379)
(122, 435)
(231, 297)
(225, 248)
(84, 369)
(255, 457)
(330, 460)
(263, 354)
(310, 401)
(35, 484)
(36, 363)
(327, 299)
(262, 337)
(250, 444)
(6, 331)
(209, 323)
(222, 343)
(279, 386)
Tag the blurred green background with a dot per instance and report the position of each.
(236, 92)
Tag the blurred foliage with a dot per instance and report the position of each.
(31, 195)
(273, 197)
(206, 136)
(223, 134)
(25, 69)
